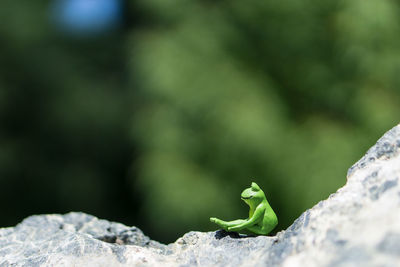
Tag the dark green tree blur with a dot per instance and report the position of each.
(164, 121)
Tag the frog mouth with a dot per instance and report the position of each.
(246, 197)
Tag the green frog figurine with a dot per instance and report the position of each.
(262, 219)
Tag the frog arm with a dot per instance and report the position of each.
(258, 214)
(224, 225)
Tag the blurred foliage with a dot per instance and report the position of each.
(163, 122)
(284, 93)
(64, 118)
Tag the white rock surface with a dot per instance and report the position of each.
(359, 225)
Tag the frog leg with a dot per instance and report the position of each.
(261, 230)
(255, 219)
(257, 229)
(224, 224)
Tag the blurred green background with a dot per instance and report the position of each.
(159, 113)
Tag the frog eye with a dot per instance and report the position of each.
(255, 187)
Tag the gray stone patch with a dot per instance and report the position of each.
(390, 244)
(377, 191)
(332, 235)
(353, 256)
(370, 178)
(279, 251)
(73, 249)
(389, 184)
(36, 261)
(306, 219)
(119, 253)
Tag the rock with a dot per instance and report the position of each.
(359, 225)
(74, 238)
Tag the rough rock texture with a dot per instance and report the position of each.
(359, 225)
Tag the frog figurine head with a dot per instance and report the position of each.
(253, 195)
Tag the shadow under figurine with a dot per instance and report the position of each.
(262, 219)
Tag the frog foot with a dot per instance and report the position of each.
(219, 222)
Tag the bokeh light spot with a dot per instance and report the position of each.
(86, 16)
